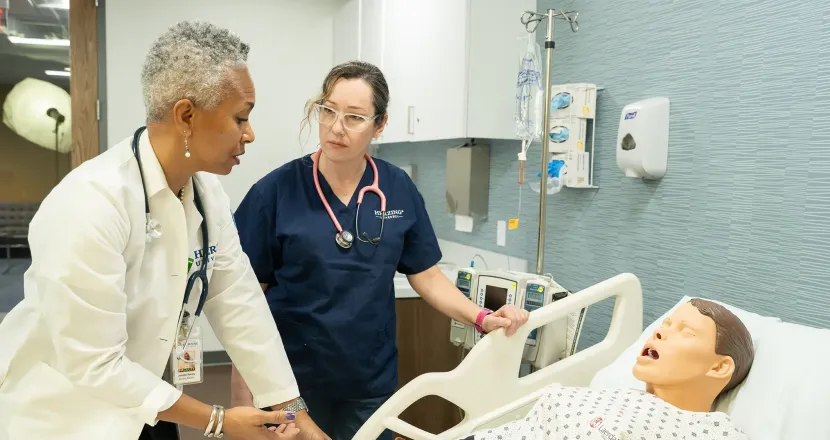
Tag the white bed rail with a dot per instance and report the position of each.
(488, 378)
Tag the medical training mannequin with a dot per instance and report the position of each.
(90, 351)
(698, 353)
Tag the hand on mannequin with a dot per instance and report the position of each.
(508, 317)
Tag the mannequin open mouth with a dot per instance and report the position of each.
(651, 353)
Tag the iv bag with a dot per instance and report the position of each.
(530, 92)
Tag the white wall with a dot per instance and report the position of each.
(291, 52)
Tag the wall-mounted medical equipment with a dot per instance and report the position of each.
(493, 289)
(643, 138)
(557, 174)
(468, 181)
(572, 131)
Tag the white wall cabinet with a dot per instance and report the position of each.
(451, 65)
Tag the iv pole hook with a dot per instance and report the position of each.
(531, 19)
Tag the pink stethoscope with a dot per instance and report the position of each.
(344, 238)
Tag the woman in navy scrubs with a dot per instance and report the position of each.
(328, 278)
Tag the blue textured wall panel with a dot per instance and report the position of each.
(743, 214)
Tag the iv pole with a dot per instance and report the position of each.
(531, 20)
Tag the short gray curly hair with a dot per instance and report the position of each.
(190, 60)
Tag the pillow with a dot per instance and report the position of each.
(786, 394)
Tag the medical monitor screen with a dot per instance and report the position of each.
(494, 297)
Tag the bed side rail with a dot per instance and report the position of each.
(496, 360)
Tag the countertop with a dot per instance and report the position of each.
(404, 290)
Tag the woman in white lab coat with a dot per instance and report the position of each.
(114, 246)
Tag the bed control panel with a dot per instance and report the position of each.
(534, 299)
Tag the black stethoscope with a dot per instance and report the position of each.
(153, 231)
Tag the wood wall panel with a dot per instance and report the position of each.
(83, 59)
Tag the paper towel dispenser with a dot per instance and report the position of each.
(468, 181)
(643, 139)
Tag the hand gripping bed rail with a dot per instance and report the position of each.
(488, 378)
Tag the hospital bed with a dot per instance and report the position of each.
(785, 396)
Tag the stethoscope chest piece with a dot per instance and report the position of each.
(152, 229)
(344, 239)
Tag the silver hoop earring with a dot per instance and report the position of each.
(186, 149)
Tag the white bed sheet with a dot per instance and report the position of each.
(787, 392)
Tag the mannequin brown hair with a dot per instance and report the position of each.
(733, 339)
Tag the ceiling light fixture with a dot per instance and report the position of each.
(38, 41)
(57, 73)
(60, 4)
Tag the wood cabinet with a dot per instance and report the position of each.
(424, 347)
(451, 66)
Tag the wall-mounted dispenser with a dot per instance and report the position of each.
(468, 181)
(643, 139)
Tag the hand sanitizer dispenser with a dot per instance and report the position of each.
(643, 139)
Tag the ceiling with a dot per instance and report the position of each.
(27, 18)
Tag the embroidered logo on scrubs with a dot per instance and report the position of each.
(391, 213)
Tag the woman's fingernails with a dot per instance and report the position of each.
(290, 416)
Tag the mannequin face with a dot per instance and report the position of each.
(682, 352)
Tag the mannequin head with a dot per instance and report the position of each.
(699, 352)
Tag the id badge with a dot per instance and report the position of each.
(186, 358)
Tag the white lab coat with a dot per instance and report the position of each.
(81, 357)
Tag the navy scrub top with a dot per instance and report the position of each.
(334, 307)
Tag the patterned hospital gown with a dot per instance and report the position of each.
(565, 413)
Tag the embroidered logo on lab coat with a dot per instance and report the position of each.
(197, 259)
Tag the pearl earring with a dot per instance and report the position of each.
(186, 149)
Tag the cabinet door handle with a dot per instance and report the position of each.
(410, 125)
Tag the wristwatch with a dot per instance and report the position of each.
(295, 406)
(480, 320)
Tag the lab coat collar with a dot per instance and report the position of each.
(189, 204)
(154, 179)
(155, 182)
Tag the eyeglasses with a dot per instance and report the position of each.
(353, 122)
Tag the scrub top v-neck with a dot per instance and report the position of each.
(335, 307)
